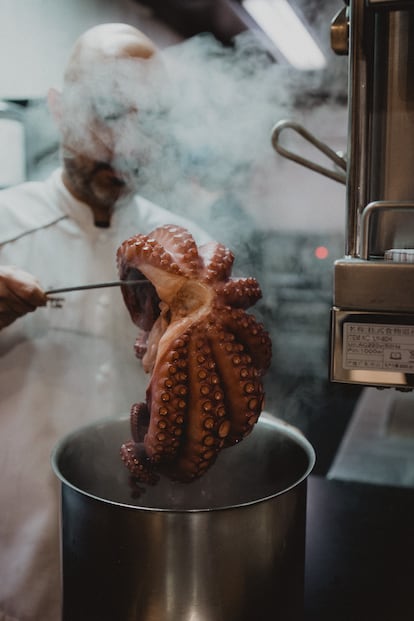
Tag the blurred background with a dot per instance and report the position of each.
(235, 79)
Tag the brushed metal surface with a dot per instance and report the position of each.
(373, 285)
(381, 120)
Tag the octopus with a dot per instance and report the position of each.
(205, 353)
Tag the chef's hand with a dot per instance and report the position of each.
(20, 293)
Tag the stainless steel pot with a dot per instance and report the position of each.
(228, 547)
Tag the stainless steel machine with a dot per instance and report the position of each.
(372, 334)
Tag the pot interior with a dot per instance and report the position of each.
(273, 459)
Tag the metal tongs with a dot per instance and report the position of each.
(56, 302)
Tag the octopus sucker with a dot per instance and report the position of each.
(205, 353)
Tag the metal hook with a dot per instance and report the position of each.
(332, 155)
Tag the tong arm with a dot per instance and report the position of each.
(99, 285)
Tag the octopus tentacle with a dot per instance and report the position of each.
(180, 247)
(167, 397)
(138, 463)
(240, 292)
(253, 336)
(241, 384)
(206, 425)
(139, 421)
(218, 261)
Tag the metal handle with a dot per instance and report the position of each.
(366, 217)
(332, 155)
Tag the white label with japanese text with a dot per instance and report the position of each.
(378, 346)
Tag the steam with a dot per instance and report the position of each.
(224, 104)
(191, 130)
(215, 142)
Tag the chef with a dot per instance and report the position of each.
(63, 367)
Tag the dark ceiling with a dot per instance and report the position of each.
(225, 19)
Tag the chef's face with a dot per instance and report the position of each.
(102, 157)
(108, 132)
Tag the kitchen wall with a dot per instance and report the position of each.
(36, 37)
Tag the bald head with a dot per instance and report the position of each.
(107, 42)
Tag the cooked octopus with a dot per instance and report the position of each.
(205, 353)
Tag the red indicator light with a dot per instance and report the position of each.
(321, 252)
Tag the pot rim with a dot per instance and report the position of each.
(266, 419)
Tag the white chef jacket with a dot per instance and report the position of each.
(59, 369)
